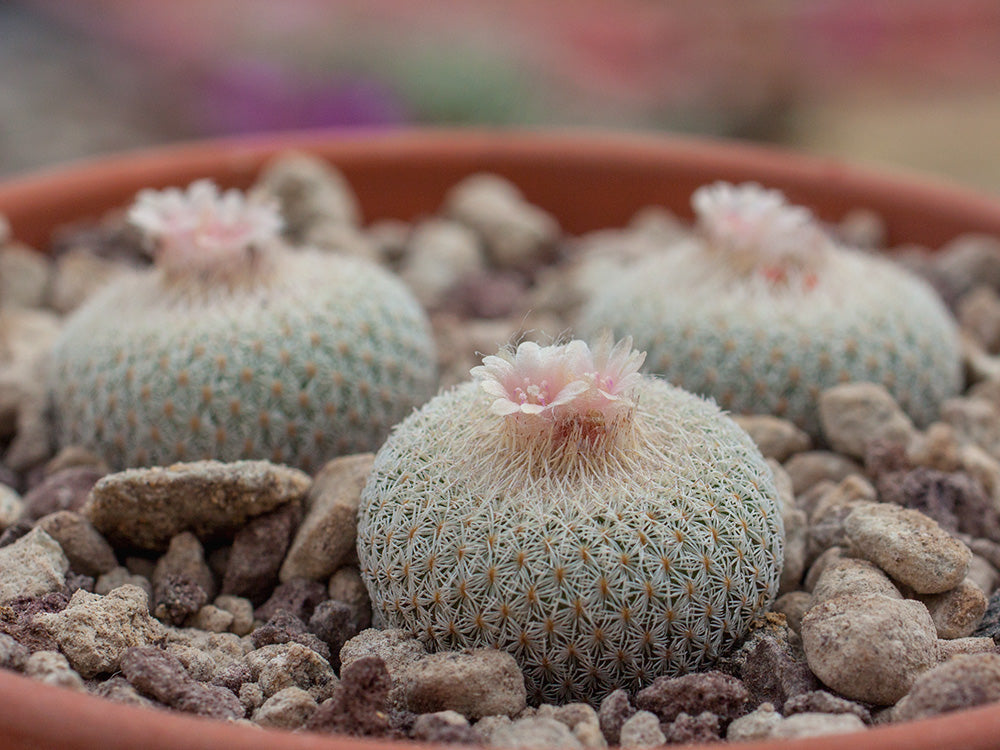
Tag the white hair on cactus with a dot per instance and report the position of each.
(602, 547)
(202, 230)
(757, 228)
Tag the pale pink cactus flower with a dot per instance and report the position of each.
(202, 230)
(562, 380)
(756, 228)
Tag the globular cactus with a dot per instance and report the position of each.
(602, 526)
(762, 311)
(233, 346)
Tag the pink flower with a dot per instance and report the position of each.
(756, 228)
(201, 229)
(616, 367)
(534, 379)
(563, 380)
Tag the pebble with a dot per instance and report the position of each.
(817, 725)
(963, 681)
(148, 507)
(972, 645)
(212, 618)
(772, 668)
(820, 564)
(175, 598)
(477, 683)
(64, 490)
(53, 668)
(642, 730)
(820, 701)
(358, 703)
(185, 560)
(615, 710)
(286, 628)
(957, 612)
(329, 530)
(290, 708)
(667, 697)
(24, 276)
(277, 666)
(119, 576)
(299, 597)
(983, 573)
(258, 549)
(854, 414)
(347, 586)
(87, 551)
(869, 647)
(756, 725)
(11, 506)
(793, 605)
(581, 719)
(94, 631)
(439, 253)
(444, 727)
(828, 517)
(241, 609)
(968, 261)
(535, 733)
(693, 730)
(334, 623)
(33, 565)
(776, 438)
(978, 313)
(975, 421)
(13, 654)
(957, 501)
(398, 650)
(811, 467)
(309, 191)
(120, 690)
(910, 547)
(162, 677)
(935, 448)
(516, 233)
(852, 576)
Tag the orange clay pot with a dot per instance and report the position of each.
(588, 180)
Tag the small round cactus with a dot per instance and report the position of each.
(762, 311)
(233, 346)
(602, 526)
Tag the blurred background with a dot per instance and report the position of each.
(909, 84)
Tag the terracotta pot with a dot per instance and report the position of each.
(588, 180)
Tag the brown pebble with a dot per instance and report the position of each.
(715, 692)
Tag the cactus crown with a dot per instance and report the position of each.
(205, 234)
(565, 405)
(757, 232)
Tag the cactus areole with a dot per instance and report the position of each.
(602, 526)
(235, 346)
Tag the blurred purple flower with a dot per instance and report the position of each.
(244, 96)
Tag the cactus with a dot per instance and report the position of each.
(762, 311)
(602, 526)
(233, 346)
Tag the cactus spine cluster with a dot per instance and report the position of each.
(761, 311)
(602, 526)
(233, 346)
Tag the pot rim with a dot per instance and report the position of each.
(914, 206)
(558, 169)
